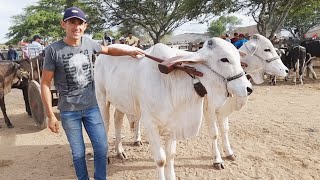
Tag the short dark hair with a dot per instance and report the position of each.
(235, 34)
(36, 37)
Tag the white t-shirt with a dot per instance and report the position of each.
(34, 49)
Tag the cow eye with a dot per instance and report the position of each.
(224, 60)
(267, 50)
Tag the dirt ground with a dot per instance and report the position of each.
(275, 136)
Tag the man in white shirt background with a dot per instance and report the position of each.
(35, 48)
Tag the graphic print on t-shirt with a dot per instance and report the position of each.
(78, 70)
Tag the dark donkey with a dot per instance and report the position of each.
(11, 76)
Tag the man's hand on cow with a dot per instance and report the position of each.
(136, 53)
(53, 124)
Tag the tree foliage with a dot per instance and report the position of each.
(44, 19)
(156, 17)
(303, 17)
(223, 24)
(269, 14)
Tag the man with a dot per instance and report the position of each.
(107, 38)
(235, 38)
(1, 56)
(12, 53)
(122, 40)
(132, 40)
(227, 37)
(35, 48)
(69, 62)
(241, 41)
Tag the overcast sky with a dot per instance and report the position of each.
(9, 8)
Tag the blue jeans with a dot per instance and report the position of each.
(93, 124)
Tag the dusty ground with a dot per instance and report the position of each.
(276, 136)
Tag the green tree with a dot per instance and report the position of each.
(156, 17)
(44, 19)
(223, 24)
(269, 15)
(303, 17)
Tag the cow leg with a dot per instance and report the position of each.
(171, 146)
(224, 126)
(137, 131)
(301, 70)
(118, 119)
(159, 154)
(4, 112)
(295, 72)
(26, 100)
(211, 121)
(273, 80)
(104, 107)
(310, 67)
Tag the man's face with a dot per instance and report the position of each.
(129, 35)
(74, 28)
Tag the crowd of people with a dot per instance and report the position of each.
(28, 51)
(238, 39)
(129, 40)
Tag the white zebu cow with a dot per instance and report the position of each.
(168, 104)
(261, 58)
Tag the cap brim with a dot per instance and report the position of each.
(75, 17)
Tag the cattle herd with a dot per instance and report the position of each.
(167, 104)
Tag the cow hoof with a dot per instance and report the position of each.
(218, 166)
(122, 156)
(137, 143)
(10, 126)
(231, 157)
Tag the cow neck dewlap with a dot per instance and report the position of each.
(209, 79)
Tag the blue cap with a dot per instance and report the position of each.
(74, 12)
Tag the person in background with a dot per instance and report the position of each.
(227, 38)
(69, 63)
(107, 38)
(12, 53)
(1, 56)
(25, 52)
(122, 40)
(35, 48)
(247, 36)
(241, 41)
(132, 40)
(235, 38)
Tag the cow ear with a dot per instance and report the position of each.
(252, 47)
(255, 37)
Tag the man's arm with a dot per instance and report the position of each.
(113, 51)
(46, 97)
